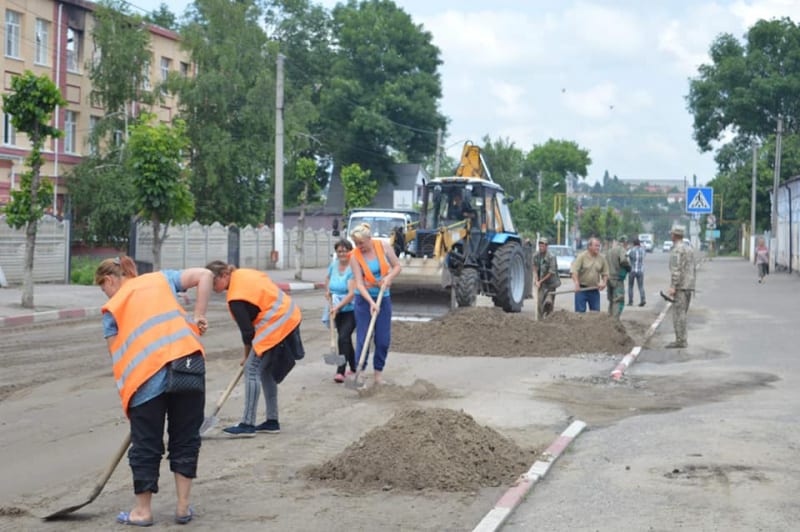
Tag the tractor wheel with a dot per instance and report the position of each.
(467, 286)
(508, 269)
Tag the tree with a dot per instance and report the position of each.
(229, 111)
(154, 159)
(163, 17)
(381, 102)
(505, 164)
(31, 104)
(359, 189)
(306, 170)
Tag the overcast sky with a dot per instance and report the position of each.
(611, 75)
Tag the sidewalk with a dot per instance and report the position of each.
(62, 301)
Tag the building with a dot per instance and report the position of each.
(54, 38)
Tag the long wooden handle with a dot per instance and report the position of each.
(101, 482)
(370, 329)
(333, 336)
(228, 390)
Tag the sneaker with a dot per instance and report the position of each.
(270, 426)
(675, 345)
(630, 304)
(338, 378)
(241, 429)
(349, 372)
(641, 304)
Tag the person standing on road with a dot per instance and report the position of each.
(618, 268)
(636, 257)
(374, 265)
(545, 278)
(762, 259)
(340, 292)
(269, 321)
(590, 275)
(682, 276)
(147, 329)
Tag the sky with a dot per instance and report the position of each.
(610, 75)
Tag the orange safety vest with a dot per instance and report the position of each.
(278, 315)
(369, 277)
(153, 329)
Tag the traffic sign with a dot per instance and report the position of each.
(699, 200)
(558, 217)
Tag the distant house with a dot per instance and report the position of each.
(404, 193)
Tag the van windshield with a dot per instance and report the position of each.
(380, 226)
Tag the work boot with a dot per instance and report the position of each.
(642, 304)
(675, 345)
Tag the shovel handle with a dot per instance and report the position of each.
(228, 390)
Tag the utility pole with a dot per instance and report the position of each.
(773, 245)
(277, 235)
(438, 152)
(753, 205)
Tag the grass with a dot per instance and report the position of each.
(83, 268)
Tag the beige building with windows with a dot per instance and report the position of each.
(54, 38)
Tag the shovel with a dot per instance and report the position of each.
(101, 482)
(353, 383)
(211, 421)
(334, 358)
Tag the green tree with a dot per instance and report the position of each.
(592, 223)
(505, 164)
(381, 102)
(229, 111)
(359, 189)
(31, 104)
(101, 199)
(154, 159)
(163, 17)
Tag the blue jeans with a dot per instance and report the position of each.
(589, 297)
(383, 330)
(639, 278)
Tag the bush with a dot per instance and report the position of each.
(83, 269)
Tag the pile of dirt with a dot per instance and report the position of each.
(422, 449)
(419, 390)
(488, 331)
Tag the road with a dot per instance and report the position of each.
(696, 439)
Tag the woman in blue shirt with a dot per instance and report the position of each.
(340, 293)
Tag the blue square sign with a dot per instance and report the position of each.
(699, 200)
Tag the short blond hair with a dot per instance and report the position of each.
(361, 231)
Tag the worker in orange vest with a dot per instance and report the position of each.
(148, 333)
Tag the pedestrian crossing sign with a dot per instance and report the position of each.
(699, 200)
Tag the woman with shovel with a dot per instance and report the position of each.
(374, 267)
(149, 335)
(269, 321)
(340, 293)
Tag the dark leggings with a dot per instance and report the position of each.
(345, 325)
(185, 414)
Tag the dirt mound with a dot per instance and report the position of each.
(432, 448)
(488, 331)
(420, 390)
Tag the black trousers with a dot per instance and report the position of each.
(184, 415)
(345, 325)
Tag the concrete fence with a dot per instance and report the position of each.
(50, 257)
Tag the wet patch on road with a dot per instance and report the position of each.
(600, 401)
(724, 474)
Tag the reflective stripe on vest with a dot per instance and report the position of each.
(369, 277)
(278, 314)
(146, 342)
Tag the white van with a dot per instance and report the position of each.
(383, 222)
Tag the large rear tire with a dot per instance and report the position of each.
(467, 286)
(508, 268)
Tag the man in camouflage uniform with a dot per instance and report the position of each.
(545, 278)
(618, 267)
(681, 286)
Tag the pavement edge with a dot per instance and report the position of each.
(628, 359)
(512, 498)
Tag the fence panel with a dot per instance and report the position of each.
(50, 253)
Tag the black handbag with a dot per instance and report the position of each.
(187, 374)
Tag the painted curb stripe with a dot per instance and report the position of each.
(628, 359)
(509, 501)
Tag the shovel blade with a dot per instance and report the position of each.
(334, 359)
(208, 424)
(354, 383)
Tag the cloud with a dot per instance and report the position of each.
(751, 12)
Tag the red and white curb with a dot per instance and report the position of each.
(513, 496)
(628, 359)
(299, 286)
(48, 315)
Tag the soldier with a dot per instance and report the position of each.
(545, 277)
(682, 272)
(618, 267)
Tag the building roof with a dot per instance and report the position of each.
(406, 177)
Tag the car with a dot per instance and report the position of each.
(564, 257)
(667, 246)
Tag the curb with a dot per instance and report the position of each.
(628, 359)
(86, 312)
(511, 499)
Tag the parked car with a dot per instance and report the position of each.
(667, 246)
(564, 256)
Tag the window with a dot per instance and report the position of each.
(9, 135)
(184, 69)
(42, 41)
(73, 50)
(146, 76)
(70, 131)
(13, 27)
(165, 64)
(93, 121)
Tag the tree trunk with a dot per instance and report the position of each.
(27, 276)
(157, 241)
(301, 227)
